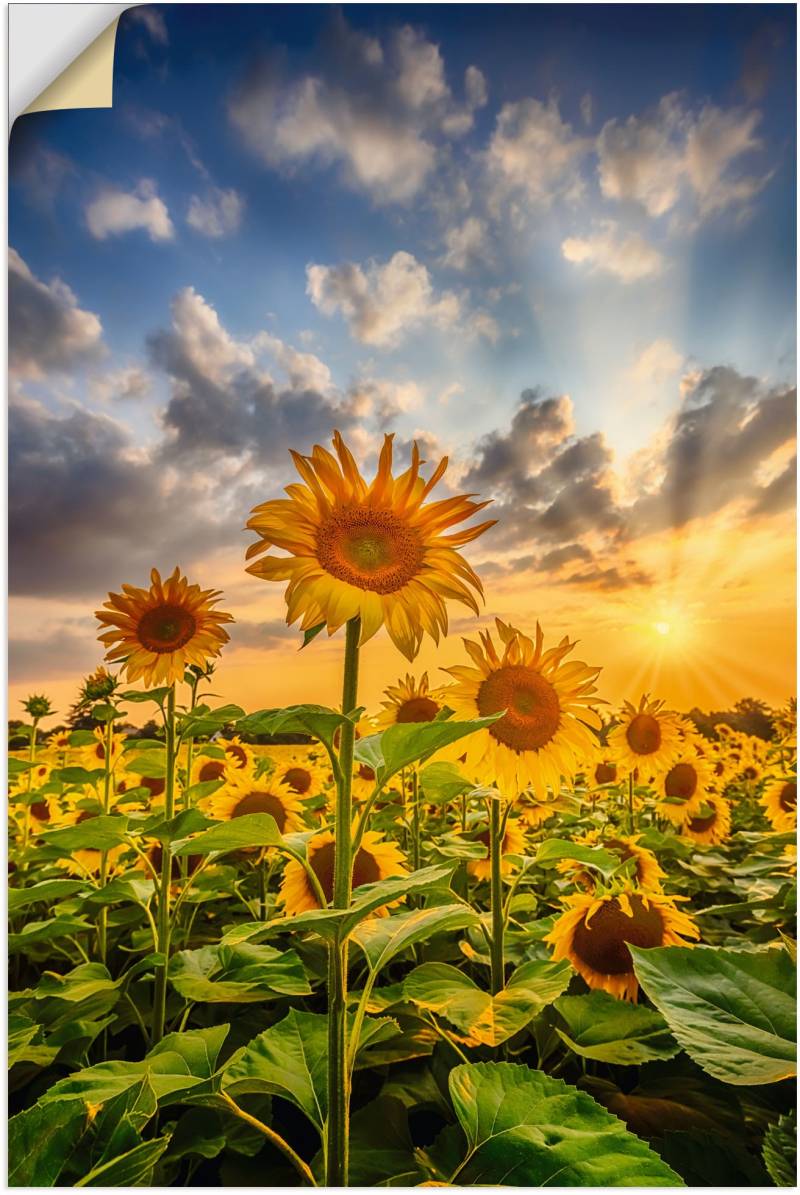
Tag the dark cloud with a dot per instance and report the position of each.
(780, 494)
(272, 633)
(557, 557)
(61, 653)
(506, 460)
(610, 578)
(47, 330)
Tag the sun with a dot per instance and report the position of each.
(663, 628)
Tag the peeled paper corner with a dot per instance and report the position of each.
(88, 81)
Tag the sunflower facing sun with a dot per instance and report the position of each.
(157, 632)
(648, 737)
(594, 933)
(374, 550)
(779, 800)
(544, 732)
(409, 700)
(375, 860)
(242, 793)
(710, 823)
(683, 787)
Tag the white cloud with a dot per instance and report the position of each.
(628, 257)
(218, 215)
(656, 363)
(384, 301)
(127, 382)
(205, 345)
(587, 108)
(383, 398)
(114, 211)
(467, 244)
(482, 324)
(655, 159)
(304, 370)
(47, 330)
(376, 111)
(534, 152)
(152, 20)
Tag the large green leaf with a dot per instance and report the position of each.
(204, 720)
(251, 830)
(83, 981)
(484, 1019)
(704, 1159)
(99, 833)
(554, 850)
(610, 1030)
(526, 1129)
(381, 1148)
(733, 1011)
(237, 974)
(405, 743)
(47, 890)
(51, 930)
(316, 720)
(780, 1151)
(290, 1060)
(131, 1169)
(383, 938)
(40, 1141)
(442, 782)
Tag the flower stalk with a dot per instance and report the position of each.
(497, 819)
(163, 923)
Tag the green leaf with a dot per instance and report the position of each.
(26, 1042)
(188, 821)
(316, 720)
(383, 938)
(705, 1159)
(290, 1060)
(405, 743)
(51, 930)
(780, 1151)
(554, 850)
(381, 1148)
(15, 766)
(75, 775)
(526, 1129)
(40, 1141)
(237, 974)
(151, 766)
(203, 720)
(138, 695)
(131, 1169)
(311, 634)
(610, 1030)
(80, 983)
(251, 830)
(733, 1011)
(333, 923)
(99, 833)
(442, 782)
(484, 1019)
(47, 890)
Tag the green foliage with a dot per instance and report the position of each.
(600, 1027)
(780, 1151)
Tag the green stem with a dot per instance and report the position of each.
(102, 919)
(415, 823)
(278, 1141)
(631, 820)
(498, 912)
(27, 822)
(464, 807)
(336, 1128)
(163, 919)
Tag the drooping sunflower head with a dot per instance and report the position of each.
(377, 550)
(648, 737)
(594, 933)
(244, 793)
(157, 632)
(710, 822)
(683, 786)
(544, 731)
(513, 844)
(779, 800)
(410, 700)
(375, 860)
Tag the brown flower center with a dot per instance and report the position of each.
(605, 773)
(371, 549)
(156, 856)
(261, 801)
(681, 781)
(417, 709)
(643, 734)
(531, 704)
(40, 810)
(602, 944)
(165, 628)
(237, 753)
(698, 825)
(155, 785)
(365, 773)
(750, 773)
(788, 797)
(365, 867)
(213, 769)
(298, 779)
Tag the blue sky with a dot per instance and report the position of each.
(423, 219)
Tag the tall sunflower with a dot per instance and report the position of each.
(683, 787)
(242, 793)
(410, 700)
(594, 932)
(543, 733)
(711, 823)
(375, 860)
(648, 737)
(779, 800)
(513, 844)
(157, 633)
(374, 550)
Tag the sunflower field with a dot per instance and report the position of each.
(495, 932)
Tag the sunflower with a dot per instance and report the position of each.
(242, 793)
(594, 932)
(371, 550)
(238, 755)
(543, 732)
(648, 737)
(408, 701)
(752, 771)
(157, 633)
(93, 755)
(156, 787)
(375, 860)
(646, 873)
(780, 803)
(711, 823)
(683, 787)
(513, 844)
(206, 768)
(305, 776)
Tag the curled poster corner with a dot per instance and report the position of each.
(88, 81)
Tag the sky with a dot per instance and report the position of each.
(554, 243)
